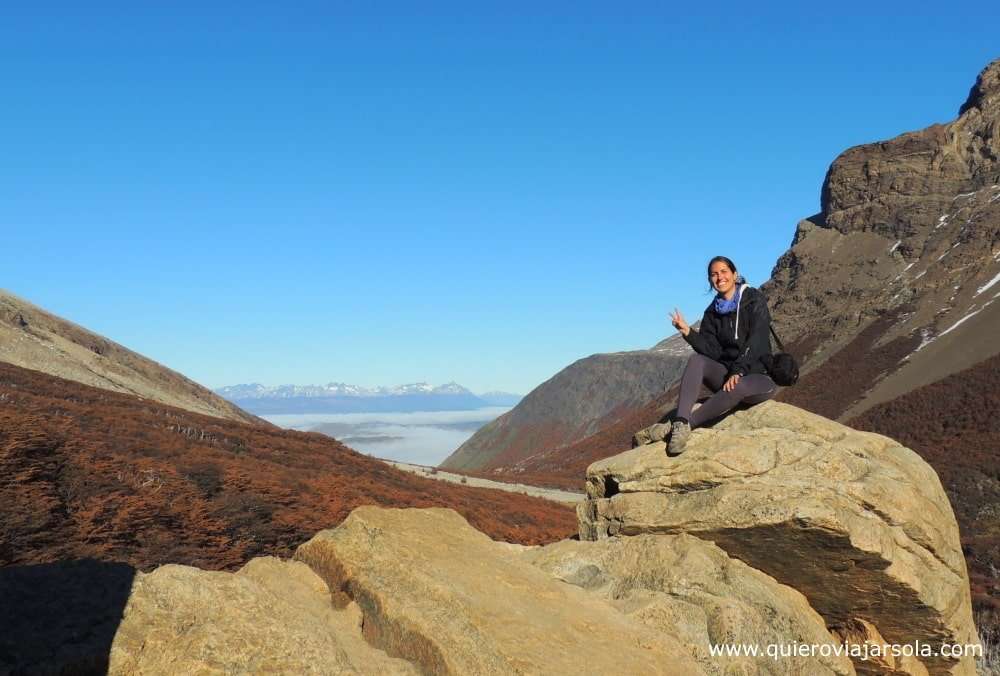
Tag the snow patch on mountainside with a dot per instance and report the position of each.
(988, 284)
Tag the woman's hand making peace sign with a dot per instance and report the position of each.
(677, 319)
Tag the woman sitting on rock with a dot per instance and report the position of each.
(732, 339)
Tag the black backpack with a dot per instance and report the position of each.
(781, 366)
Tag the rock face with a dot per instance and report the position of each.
(857, 523)
(35, 339)
(272, 616)
(439, 593)
(689, 587)
(909, 229)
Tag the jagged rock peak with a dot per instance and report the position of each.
(873, 187)
(987, 86)
(890, 212)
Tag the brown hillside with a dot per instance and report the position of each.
(844, 378)
(566, 467)
(89, 473)
(33, 338)
(953, 425)
(575, 403)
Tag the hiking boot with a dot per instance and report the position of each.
(680, 431)
(651, 434)
(640, 438)
(659, 431)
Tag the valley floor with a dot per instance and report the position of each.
(566, 497)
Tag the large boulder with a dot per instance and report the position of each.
(857, 523)
(441, 594)
(272, 616)
(686, 586)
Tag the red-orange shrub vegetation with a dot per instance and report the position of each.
(89, 473)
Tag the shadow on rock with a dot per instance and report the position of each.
(60, 618)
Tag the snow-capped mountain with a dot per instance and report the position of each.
(258, 391)
(345, 398)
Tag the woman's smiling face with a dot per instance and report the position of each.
(722, 278)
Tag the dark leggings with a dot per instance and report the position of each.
(751, 389)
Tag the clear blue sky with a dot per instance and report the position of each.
(381, 193)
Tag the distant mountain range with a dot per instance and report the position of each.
(500, 398)
(345, 398)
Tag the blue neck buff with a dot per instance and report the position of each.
(725, 307)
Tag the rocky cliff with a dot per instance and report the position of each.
(777, 529)
(893, 285)
(35, 339)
